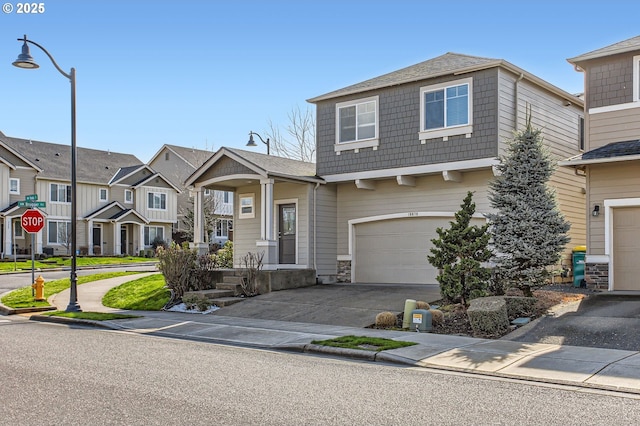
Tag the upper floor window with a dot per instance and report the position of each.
(103, 194)
(157, 200)
(636, 78)
(60, 193)
(581, 133)
(226, 197)
(446, 109)
(357, 124)
(14, 186)
(128, 196)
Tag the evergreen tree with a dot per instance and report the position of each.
(529, 232)
(459, 253)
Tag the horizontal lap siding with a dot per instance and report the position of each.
(245, 231)
(613, 126)
(325, 231)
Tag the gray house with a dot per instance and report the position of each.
(396, 155)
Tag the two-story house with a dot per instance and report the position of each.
(123, 205)
(611, 163)
(396, 155)
(177, 163)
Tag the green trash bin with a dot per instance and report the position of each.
(579, 255)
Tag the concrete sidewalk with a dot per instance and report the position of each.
(608, 369)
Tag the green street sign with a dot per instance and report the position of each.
(32, 197)
(32, 204)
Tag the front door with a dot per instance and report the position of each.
(97, 240)
(287, 233)
(123, 240)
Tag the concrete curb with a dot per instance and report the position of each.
(65, 320)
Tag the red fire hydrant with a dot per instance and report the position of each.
(39, 287)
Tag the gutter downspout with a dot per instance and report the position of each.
(517, 115)
(315, 228)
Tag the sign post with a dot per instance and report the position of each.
(32, 222)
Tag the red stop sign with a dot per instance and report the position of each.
(32, 221)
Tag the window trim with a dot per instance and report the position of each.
(161, 194)
(147, 234)
(67, 192)
(251, 214)
(358, 143)
(446, 131)
(18, 226)
(130, 192)
(49, 242)
(106, 195)
(636, 78)
(219, 227)
(17, 191)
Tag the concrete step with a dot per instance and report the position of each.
(236, 288)
(212, 294)
(232, 279)
(221, 302)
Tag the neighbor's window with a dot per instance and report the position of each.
(446, 109)
(151, 233)
(157, 201)
(103, 194)
(223, 226)
(59, 232)
(60, 193)
(128, 196)
(14, 186)
(246, 206)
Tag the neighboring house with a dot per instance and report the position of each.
(177, 163)
(611, 163)
(123, 205)
(397, 154)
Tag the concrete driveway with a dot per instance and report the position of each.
(352, 305)
(603, 320)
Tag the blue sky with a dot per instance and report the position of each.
(203, 74)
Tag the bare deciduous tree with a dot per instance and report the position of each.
(300, 144)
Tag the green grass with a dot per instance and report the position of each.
(95, 316)
(56, 262)
(363, 342)
(144, 294)
(22, 298)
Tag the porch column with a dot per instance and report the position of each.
(90, 237)
(116, 238)
(267, 243)
(8, 235)
(140, 238)
(199, 242)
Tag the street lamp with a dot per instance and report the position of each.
(253, 143)
(25, 60)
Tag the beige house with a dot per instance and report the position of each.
(611, 163)
(122, 206)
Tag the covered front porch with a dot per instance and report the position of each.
(114, 230)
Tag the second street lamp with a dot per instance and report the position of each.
(253, 143)
(25, 60)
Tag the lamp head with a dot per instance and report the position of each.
(251, 141)
(25, 60)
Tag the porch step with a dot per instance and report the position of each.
(232, 279)
(221, 302)
(212, 294)
(236, 288)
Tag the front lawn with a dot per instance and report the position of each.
(22, 298)
(8, 265)
(366, 343)
(144, 294)
(94, 316)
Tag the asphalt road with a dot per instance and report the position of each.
(55, 374)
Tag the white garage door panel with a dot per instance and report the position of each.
(395, 251)
(626, 248)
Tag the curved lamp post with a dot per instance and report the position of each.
(25, 60)
(253, 143)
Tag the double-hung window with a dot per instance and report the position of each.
(14, 186)
(153, 233)
(60, 193)
(357, 124)
(157, 201)
(58, 232)
(446, 109)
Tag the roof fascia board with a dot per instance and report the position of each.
(217, 156)
(573, 163)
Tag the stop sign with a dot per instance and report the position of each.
(32, 221)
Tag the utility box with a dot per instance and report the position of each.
(578, 260)
(421, 320)
(409, 306)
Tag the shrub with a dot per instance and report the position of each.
(488, 316)
(224, 256)
(190, 300)
(386, 319)
(422, 305)
(252, 263)
(437, 316)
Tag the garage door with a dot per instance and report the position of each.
(395, 250)
(626, 248)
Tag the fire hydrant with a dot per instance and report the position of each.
(39, 287)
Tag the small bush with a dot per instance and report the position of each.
(488, 316)
(190, 300)
(203, 304)
(437, 317)
(422, 305)
(386, 319)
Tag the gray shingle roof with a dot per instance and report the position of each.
(92, 166)
(448, 63)
(615, 149)
(624, 46)
(277, 165)
(195, 157)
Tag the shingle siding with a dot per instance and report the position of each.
(399, 125)
(610, 81)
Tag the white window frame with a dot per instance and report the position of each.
(252, 205)
(636, 78)
(106, 194)
(222, 228)
(162, 195)
(18, 231)
(67, 191)
(446, 131)
(147, 234)
(128, 196)
(49, 222)
(17, 182)
(363, 142)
